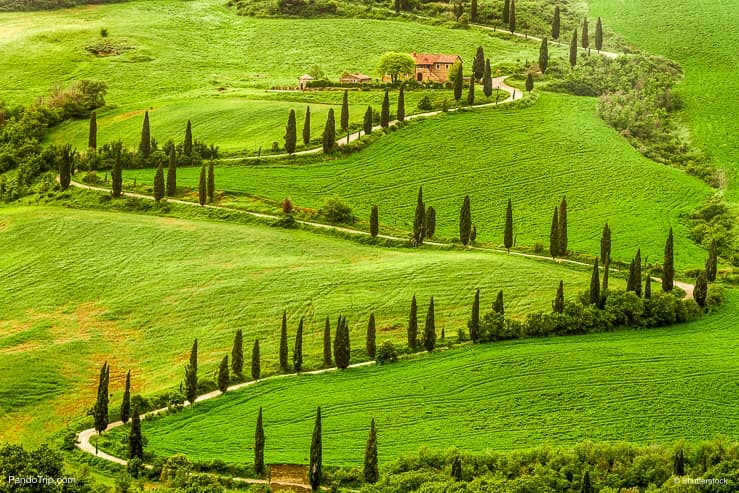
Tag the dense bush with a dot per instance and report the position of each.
(335, 210)
(26, 5)
(387, 353)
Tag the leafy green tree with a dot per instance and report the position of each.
(367, 124)
(598, 35)
(237, 353)
(585, 39)
(291, 133)
(430, 226)
(413, 325)
(371, 471)
(429, 328)
(187, 146)
(345, 112)
(498, 306)
(396, 65)
(116, 174)
(401, 104)
(135, 440)
(159, 183)
(202, 190)
(558, 305)
(669, 265)
(508, 234)
(465, 221)
(544, 55)
(712, 262)
(478, 64)
(126, 401)
(419, 222)
(471, 92)
(191, 374)
(562, 227)
(283, 344)
(473, 10)
(342, 350)
(92, 136)
(306, 127)
(474, 322)
(555, 23)
(327, 359)
(586, 486)
(595, 285)
(385, 111)
(374, 222)
(298, 348)
(145, 144)
(573, 49)
(223, 378)
(256, 365)
(506, 10)
(487, 80)
(316, 454)
(554, 235)
(259, 446)
(529, 82)
(371, 337)
(512, 17)
(172, 173)
(329, 133)
(700, 291)
(459, 82)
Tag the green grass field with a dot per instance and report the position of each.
(650, 386)
(702, 36)
(82, 287)
(531, 155)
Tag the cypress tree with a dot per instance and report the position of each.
(401, 104)
(159, 183)
(367, 127)
(606, 269)
(397, 6)
(487, 80)
(598, 34)
(459, 83)
(498, 306)
(474, 323)
(555, 23)
(329, 133)
(413, 325)
(605, 245)
(429, 328)
(291, 133)
(92, 136)
(473, 11)
(712, 261)
(327, 359)
(544, 55)
(473, 233)
(259, 445)
(554, 235)
(558, 305)
(512, 16)
(374, 222)
(172, 173)
(506, 10)
(669, 265)
(237, 353)
(586, 486)
(457, 468)
(145, 144)
(342, 350)
(306, 127)
(66, 159)
(465, 221)
(630, 280)
(223, 378)
(256, 364)
(371, 340)
(283, 344)
(126, 401)
(678, 464)
(529, 82)
(100, 410)
(345, 112)
(478, 64)
(316, 454)
(202, 190)
(116, 174)
(595, 285)
(135, 441)
(298, 348)
(385, 111)
(562, 227)
(637, 273)
(430, 227)
(191, 374)
(508, 234)
(585, 39)
(371, 472)
(648, 287)
(700, 291)
(419, 223)
(573, 49)
(471, 92)
(187, 146)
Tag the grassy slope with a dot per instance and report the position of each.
(651, 386)
(83, 287)
(702, 35)
(531, 155)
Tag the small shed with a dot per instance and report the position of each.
(303, 80)
(357, 78)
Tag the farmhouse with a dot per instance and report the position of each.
(304, 80)
(433, 67)
(357, 78)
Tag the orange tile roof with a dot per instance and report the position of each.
(430, 58)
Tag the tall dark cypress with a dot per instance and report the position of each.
(558, 305)
(555, 23)
(385, 111)
(474, 323)
(637, 273)
(172, 173)
(471, 92)
(202, 189)
(459, 82)
(291, 133)
(598, 34)
(367, 122)
(585, 38)
(371, 337)
(413, 325)
(397, 6)
(648, 287)
(223, 377)
(473, 11)
(586, 487)
(306, 127)
(554, 235)
(401, 104)
(371, 472)
(66, 160)
(283, 344)
(595, 285)
(430, 227)
(669, 265)
(605, 245)
(712, 261)
(327, 358)
(259, 445)
(237, 353)
(100, 410)
(342, 349)
(92, 136)
(187, 145)
(135, 441)
(700, 291)
(345, 112)
(329, 133)
(419, 222)
(498, 306)
(678, 463)
(630, 281)
(573, 49)
(126, 401)
(191, 374)
(298, 348)
(256, 364)
(116, 174)
(506, 10)
(478, 64)
(508, 234)
(544, 55)
(316, 454)
(512, 17)
(145, 143)
(159, 183)
(374, 222)
(429, 328)
(529, 82)
(465, 221)
(487, 80)
(562, 227)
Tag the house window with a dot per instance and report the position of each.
(446, 66)
(437, 66)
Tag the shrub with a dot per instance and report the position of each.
(335, 210)
(425, 103)
(387, 353)
(104, 32)
(287, 205)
